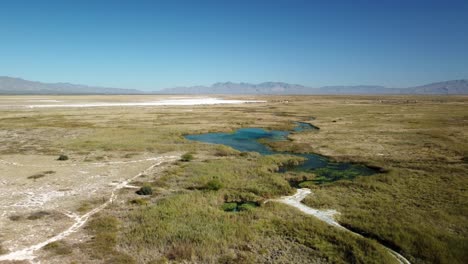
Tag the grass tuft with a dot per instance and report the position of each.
(58, 248)
(187, 157)
(62, 157)
(145, 190)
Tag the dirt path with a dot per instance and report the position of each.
(326, 216)
(77, 164)
(28, 253)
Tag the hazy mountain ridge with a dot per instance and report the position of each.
(447, 87)
(9, 85)
(238, 88)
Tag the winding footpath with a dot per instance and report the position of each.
(79, 164)
(326, 216)
(28, 253)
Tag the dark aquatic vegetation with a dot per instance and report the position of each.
(247, 139)
(302, 126)
(239, 206)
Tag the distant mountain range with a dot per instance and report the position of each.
(448, 87)
(9, 85)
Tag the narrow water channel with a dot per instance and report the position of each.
(250, 139)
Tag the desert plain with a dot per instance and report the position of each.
(85, 209)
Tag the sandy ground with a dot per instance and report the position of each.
(326, 216)
(35, 212)
(84, 102)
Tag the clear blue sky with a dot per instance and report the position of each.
(156, 44)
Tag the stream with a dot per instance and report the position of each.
(250, 139)
(326, 170)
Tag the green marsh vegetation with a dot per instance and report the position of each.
(191, 227)
(193, 224)
(419, 207)
(105, 229)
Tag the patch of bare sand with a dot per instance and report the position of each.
(39, 210)
(163, 102)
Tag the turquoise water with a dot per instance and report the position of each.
(244, 139)
(247, 140)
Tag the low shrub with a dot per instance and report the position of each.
(51, 245)
(139, 201)
(241, 206)
(15, 217)
(84, 207)
(38, 215)
(180, 252)
(247, 206)
(145, 190)
(187, 157)
(40, 175)
(229, 207)
(213, 185)
(223, 151)
(36, 176)
(62, 157)
(58, 247)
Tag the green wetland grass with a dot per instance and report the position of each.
(419, 206)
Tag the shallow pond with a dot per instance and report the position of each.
(248, 139)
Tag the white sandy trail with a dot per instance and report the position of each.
(295, 200)
(168, 102)
(28, 253)
(326, 216)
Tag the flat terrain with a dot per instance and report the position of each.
(418, 206)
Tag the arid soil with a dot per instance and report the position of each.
(45, 200)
